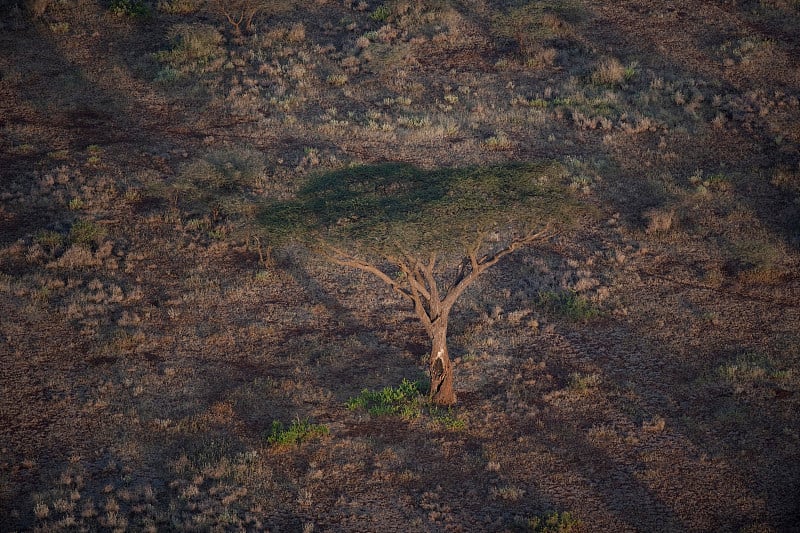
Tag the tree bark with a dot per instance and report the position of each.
(441, 370)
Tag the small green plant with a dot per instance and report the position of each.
(582, 382)
(51, 240)
(498, 142)
(630, 72)
(381, 13)
(179, 7)
(447, 418)
(76, 204)
(297, 432)
(405, 400)
(554, 522)
(749, 367)
(568, 304)
(59, 27)
(196, 49)
(130, 8)
(86, 232)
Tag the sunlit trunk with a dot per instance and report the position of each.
(440, 367)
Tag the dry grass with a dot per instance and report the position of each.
(637, 374)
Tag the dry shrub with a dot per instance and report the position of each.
(179, 7)
(298, 33)
(237, 12)
(609, 71)
(196, 49)
(37, 8)
(659, 220)
(543, 58)
(77, 256)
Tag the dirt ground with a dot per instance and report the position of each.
(149, 338)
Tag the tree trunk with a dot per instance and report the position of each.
(440, 368)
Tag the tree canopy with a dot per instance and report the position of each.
(393, 208)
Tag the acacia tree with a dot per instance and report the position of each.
(427, 234)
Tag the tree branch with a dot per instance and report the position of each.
(479, 266)
(427, 272)
(411, 293)
(341, 258)
(415, 278)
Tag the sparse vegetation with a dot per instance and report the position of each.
(568, 304)
(130, 8)
(195, 49)
(178, 349)
(404, 400)
(86, 232)
(554, 522)
(297, 432)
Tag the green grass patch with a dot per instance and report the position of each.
(86, 232)
(750, 367)
(129, 8)
(298, 431)
(408, 401)
(447, 418)
(554, 522)
(569, 305)
(405, 400)
(51, 240)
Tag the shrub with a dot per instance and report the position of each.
(381, 13)
(237, 12)
(554, 522)
(51, 240)
(299, 431)
(611, 72)
(405, 400)
(194, 47)
(568, 304)
(129, 8)
(86, 232)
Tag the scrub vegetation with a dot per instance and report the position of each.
(373, 266)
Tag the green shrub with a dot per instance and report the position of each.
(51, 240)
(583, 382)
(299, 431)
(130, 8)
(218, 183)
(381, 13)
(447, 418)
(568, 304)
(554, 522)
(405, 400)
(86, 232)
(195, 47)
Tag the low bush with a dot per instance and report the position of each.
(298, 431)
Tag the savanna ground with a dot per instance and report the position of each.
(637, 374)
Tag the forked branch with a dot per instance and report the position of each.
(418, 283)
(415, 292)
(479, 265)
